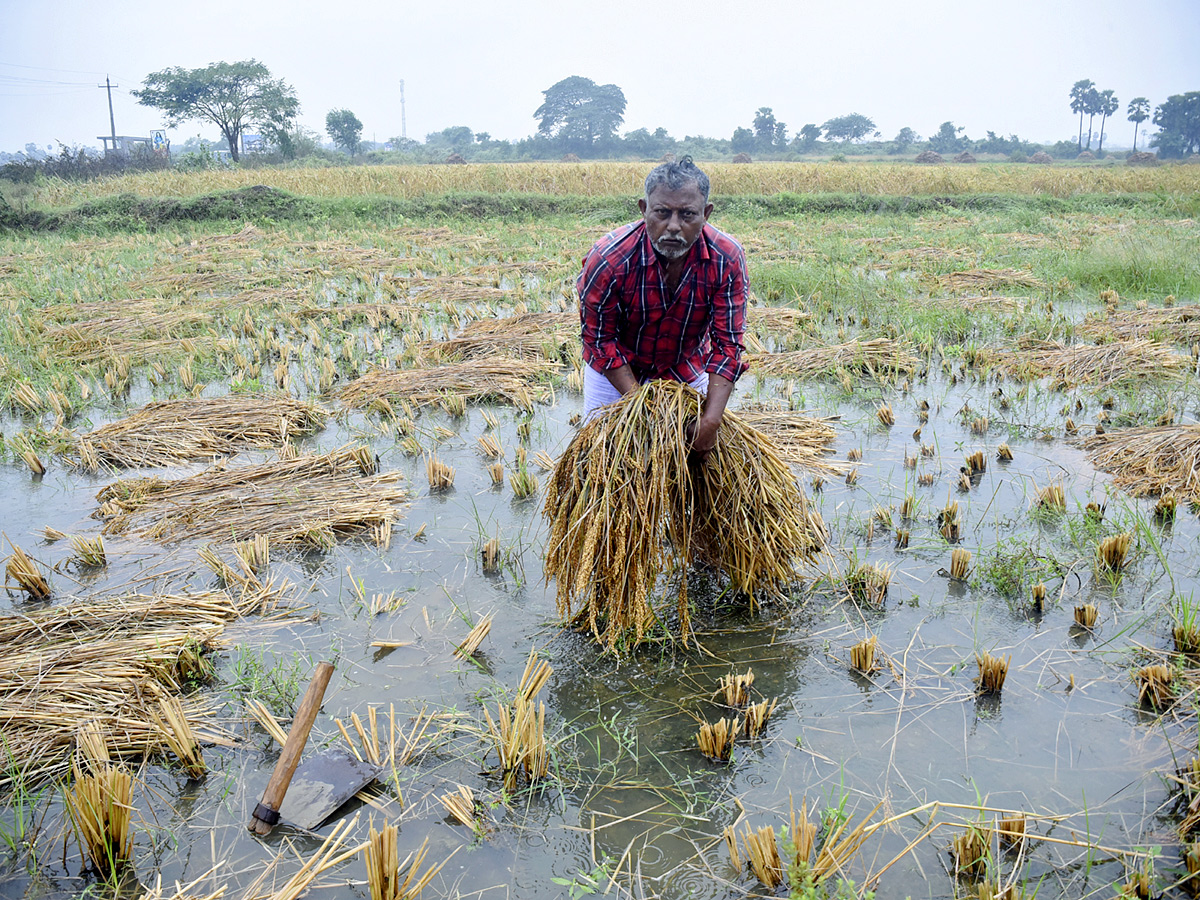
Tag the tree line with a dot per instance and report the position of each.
(580, 118)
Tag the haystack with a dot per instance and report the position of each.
(569, 158)
(170, 432)
(874, 357)
(626, 505)
(964, 157)
(455, 159)
(483, 380)
(1041, 158)
(307, 500)
(1141, 159)
(105, 664)
(1149, 461)
(1085, 155)
(929, 158)
(742, 158)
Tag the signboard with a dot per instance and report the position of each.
(158, 140)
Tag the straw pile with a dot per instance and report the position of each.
(1180, 324)
(498, 380)
(873, 357)
(1149, 461)
(170, 432)
(106, 665)
(988, 279)
(308, 500)
(626, 506)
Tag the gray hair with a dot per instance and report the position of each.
(674, 175)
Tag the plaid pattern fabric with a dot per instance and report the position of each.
(628, 319)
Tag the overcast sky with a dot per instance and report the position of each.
(693, 68)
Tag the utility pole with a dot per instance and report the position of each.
(403, 126)
(111, 121)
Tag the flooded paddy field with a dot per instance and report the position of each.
(1033, 339)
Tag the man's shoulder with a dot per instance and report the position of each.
(724, 244)
(622, 239)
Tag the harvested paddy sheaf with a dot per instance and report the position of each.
(1150, 461)
(528, 336)
(141, 331)
(799, 439)
(307, 500)
(989, 279)
(170, 432)
(777, 319)
(979, 303)
(503, 380)
(1096, 365)
(105, 664)
(875, 358)
(1179, 324)
(626, 506)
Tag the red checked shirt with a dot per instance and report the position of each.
(629, 319)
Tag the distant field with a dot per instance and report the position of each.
(622, 179)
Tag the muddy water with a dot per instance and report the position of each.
(630, 796)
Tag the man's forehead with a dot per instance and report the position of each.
(685, 195)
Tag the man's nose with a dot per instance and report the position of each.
(675, 223)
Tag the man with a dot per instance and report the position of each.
(665, 298)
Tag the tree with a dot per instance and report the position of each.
(1091, 106)
(580, 113)
(1139, 112)
(1179, 122)
(456, 137)
(1079, 93)
(853, 127)
(764, 128)
(233, 96)
(947, 139)
(1107, 104)
(905, 138)
(807, 137)
(345, 129)
(742, 140)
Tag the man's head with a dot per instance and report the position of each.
(675, 207)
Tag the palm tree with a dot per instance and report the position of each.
(1091, 106)
(1139, 111)
(1079, 92)
(1108, 105)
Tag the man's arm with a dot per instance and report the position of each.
(622, 378)
(704, 434)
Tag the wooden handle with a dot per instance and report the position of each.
(290, 757)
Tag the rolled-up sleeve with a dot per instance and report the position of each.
(599, 300)
(729, 320)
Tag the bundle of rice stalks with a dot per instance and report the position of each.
(308, 500)
(519, 729)
(799, 439)
(1178, 324)
(757, 715)
(735, 689)
(178, 735)
(862, 655)
(107, 664)
(992, 672)
(440, 475)
(970, 851)
(1113, 550)
(21, 569)
(475, 637)
(464, 808)
(100, 804)
(484, 380)
(715, 740)
(626, 505)
(875, 358)
(960, 561)
(989, 279)
(543, 336)
(1147, 461)
(1099, 365)
(1156, 686)
(89, 551)
(169, 432)
(1086, 616)
(763, 854)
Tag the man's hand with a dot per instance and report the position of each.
(702, 434)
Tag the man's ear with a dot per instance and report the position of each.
(707, 211)
(642, 206)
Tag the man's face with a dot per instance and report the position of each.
(674, 219)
